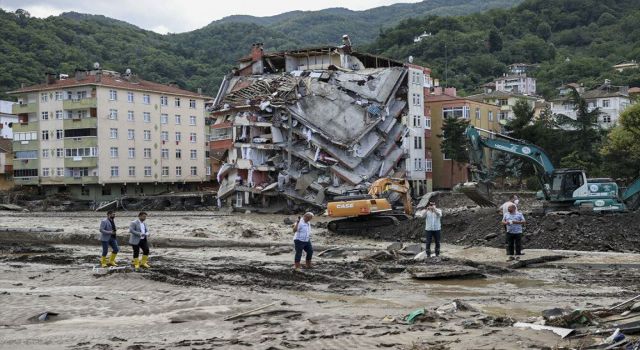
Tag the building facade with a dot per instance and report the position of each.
(505, 102)
(516, 83)
(6, 163)
(7, 119)
(101, 135)
(446, 172)
(611, 100)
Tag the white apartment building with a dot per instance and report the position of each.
(415, 143)
(612, 100)
(101, 135)
(516, 83)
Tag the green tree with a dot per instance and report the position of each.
(495, 40)
(621, 149)
(453, 142)
(544, 30)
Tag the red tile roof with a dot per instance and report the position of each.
(111, 81)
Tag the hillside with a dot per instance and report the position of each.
(198, 59)
(572, 40)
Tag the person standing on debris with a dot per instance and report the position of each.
(108, 238)
(302, 240)
(433, 227)
(139, 239)
(513, 221)
(513, 200)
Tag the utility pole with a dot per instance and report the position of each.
(446, 65)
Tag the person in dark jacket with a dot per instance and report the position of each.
(108, 238)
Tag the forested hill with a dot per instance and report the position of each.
(572, 40)
(30, 46)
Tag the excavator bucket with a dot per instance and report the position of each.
(478, 192)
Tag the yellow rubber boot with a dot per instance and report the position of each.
(103, 261)
(112, 260)
(143, 263)
(136, 263)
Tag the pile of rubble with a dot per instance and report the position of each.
(306, 126)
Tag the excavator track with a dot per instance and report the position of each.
(367, 224)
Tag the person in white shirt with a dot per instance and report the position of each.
(433, 227)
(302, 240)
(513, 200)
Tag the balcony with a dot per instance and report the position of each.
(83, 123)
(31, 180)
(19, 164)
(24, 108)
(26, 127)
(84, 103)
(80, 180)
(80, 142)
(81, 162)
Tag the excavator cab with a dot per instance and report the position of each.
(567, 184)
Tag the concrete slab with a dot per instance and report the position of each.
(432, 271)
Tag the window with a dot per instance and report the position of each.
(113, 133)
(25, 173)
(113, 114)
(164, 118)
(131, 133)
(416, 99)
(192, 120)
(194, 154)
(490, 116)
(178, 154)
(106, 190)
(606, 118)
(194, 171)
(417, 164)
(59, 134)
(477, 113)
(81, 132)
(59, 171)
(164, 153)
(132, 152)
(178, 119)
(44, 97)
(25, 136)
(502, 115)
(147, 171)
(178, 136)
(465, 112)
(178, 171)
(177, 102)
(132, 171)
(45, 172)
(416, 121)
(59, 96)
(192, 103)
(454, 112)
(417, 142)
(208, 170)
(25, 155)
(45, 153)
(147, 117)
(165, 171)
(84, 191)
(114, 152)
(59, 115)
(59, 152)
(146, 99)
(80, 95)
(428, 165)
(81, 152)
(164, 101)
(147, 153)
(45, 135)
(164, 135)
(113, 95)
(129, 96)
(115, 171)
(147, 135)
(192, 137)
(44, 115)
(427, 123)
(503, 102)
(130, 116)
(605, 103)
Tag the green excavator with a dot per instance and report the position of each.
(562, 189)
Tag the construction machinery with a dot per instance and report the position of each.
(387, 203)
(562, 189)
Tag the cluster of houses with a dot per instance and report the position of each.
(297, 126)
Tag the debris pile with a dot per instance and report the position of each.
(306, 126)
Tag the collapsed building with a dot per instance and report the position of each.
(308, 125)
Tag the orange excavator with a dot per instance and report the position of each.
(387, 203)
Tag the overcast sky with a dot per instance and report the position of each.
(176, 16)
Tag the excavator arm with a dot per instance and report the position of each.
(479, 190)
(631, 195)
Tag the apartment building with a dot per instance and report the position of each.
(101, 135)
(442, 104)
(504, 100)
(7, 119)
(419, 126)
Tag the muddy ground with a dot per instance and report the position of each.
(208, 266)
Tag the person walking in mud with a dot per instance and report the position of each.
(513, 221)
(108, 238)
(302, 240)
(433, 227)
(139, 239)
